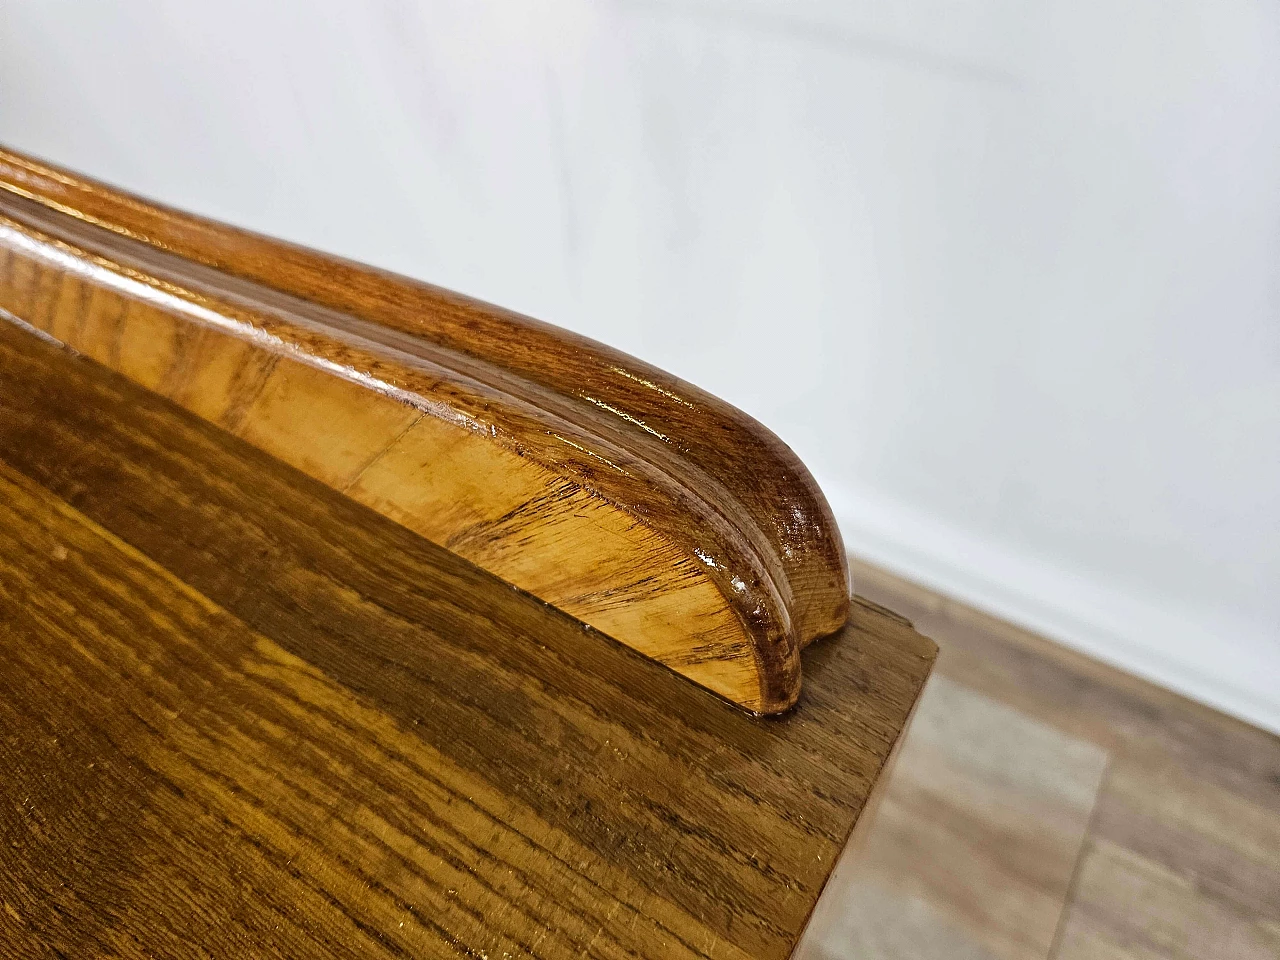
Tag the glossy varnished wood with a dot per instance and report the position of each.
(619, 494)
(245, 715)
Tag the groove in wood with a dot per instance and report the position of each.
(247, 715)
(629, 499)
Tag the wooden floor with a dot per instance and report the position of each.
(1046, 806)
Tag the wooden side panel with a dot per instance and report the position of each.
(547, 504)
(245, 715)
(718, 449)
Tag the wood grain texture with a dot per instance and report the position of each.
(247, 715)
(617, 493)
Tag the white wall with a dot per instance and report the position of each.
(1006, 274)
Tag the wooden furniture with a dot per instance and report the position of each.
(267, 687)
(629, 499)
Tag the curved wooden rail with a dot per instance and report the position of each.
(624, 496)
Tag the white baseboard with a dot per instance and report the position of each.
(1232, 666)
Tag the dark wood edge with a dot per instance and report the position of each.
(692, 466)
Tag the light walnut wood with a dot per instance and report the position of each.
(629, 499)
(245, 715)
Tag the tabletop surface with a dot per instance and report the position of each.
(245, 715)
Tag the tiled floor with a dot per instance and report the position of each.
(1046, 806)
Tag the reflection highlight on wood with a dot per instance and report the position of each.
(617, 493)
(244, 715)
